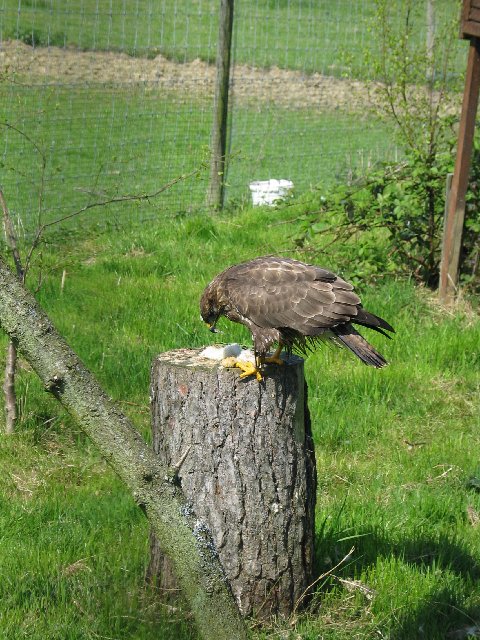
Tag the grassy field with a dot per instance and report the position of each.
(100, 142)
(294, 34)
(396, 449)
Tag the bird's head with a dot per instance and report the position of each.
(210, 309)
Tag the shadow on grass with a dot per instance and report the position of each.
(439, 616)
(440, 613)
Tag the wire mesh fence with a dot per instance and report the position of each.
(104, 98)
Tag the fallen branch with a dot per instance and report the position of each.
(189, 546)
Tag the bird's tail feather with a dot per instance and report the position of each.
(370, 320)
(357, 344)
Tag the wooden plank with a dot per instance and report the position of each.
(465, 10)
(452, 234)
(471, 29)
(465, 29)
(475, 4)
(474, 15)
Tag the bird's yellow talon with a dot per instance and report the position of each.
(275, 358)
(247, 368)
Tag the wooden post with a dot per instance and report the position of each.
(453, 231)
(448, 189)
(220, 107)
(452, 235)
(245, 460)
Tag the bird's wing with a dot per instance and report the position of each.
(278, 292)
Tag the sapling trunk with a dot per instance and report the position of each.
(9, 388)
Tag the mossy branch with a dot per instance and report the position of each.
(194, 557)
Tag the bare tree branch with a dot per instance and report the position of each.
(22, 269)
(103, 203)
(125, 198)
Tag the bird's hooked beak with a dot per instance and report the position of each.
(212, 327)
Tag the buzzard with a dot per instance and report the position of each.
(293, 304)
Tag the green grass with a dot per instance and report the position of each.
(104, 141)
(61, 509)
(296, 34)
(395, 448)
(101, 140)
(73, 545)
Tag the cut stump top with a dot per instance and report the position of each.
(192, 358)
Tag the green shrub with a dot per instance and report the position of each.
(391, 221)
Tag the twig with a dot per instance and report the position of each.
(62, 283)
(176, 466)
(125, 198)
(93, 205)
(7, 125)
(352, 585)
(324, 575)
(41, 191)
(442, 475)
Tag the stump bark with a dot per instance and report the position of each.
(243, 454)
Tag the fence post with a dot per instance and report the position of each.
(220, 107)
(452, 233)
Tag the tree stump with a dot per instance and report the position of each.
(243, 453)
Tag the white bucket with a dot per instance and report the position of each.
(269, 191)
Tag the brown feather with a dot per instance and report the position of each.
(294, 302)
(359, 346)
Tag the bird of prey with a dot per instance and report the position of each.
(293, 304)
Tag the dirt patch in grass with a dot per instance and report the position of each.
(25, 64)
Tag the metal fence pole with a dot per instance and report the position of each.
(220, 108)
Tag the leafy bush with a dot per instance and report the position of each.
(391, 221)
